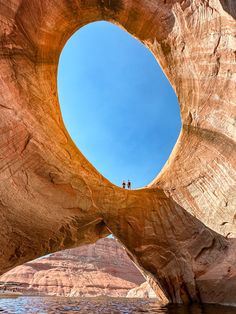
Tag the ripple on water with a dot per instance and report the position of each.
(105, 305)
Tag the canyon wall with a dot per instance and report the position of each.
(180, 230)
(142, 291)
(92, 270)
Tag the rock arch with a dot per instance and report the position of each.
(180, 229)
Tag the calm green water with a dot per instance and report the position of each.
(57, 305)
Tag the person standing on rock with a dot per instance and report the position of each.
(129, 185)
(123, 185)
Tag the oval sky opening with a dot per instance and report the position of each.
(117, 104)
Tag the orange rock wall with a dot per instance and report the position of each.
(180, 229)
(97, 269)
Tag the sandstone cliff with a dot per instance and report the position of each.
(97, 269)
(181, 229)
(142, 291)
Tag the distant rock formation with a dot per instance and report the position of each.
(102, 268)
(142, 291)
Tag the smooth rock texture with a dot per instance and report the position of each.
(142, 291)
(181, 229)
(97, 269)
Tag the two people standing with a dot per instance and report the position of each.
(128, 185)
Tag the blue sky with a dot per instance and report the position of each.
(117, 104)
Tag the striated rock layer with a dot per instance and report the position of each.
(180, 229)
(92, 270)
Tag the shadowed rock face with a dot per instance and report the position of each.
(180, 229)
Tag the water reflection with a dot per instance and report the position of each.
(200, 309)
(58, 305)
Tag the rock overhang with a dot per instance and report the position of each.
(53, 198)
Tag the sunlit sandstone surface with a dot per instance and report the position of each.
(181, 229)
(99, 269)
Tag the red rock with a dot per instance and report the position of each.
(97, 269)
(51, 198)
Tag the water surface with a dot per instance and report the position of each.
(58, 305)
